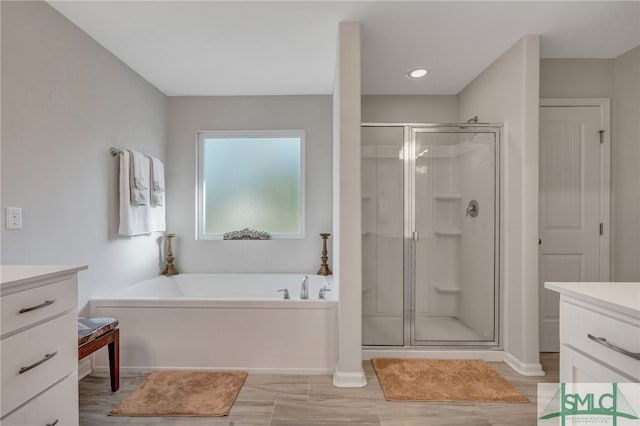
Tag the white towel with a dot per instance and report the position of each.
(156, 209)
(157, 182)
(157, 219)
(139, 174)
(137, 219)
(134, 219)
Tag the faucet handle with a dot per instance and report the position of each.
(472, 209)
(323, 290)
(286, 293)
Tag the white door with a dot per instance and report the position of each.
(570, 191)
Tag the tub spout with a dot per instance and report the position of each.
(304, 290)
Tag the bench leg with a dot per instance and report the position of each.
(114, 360)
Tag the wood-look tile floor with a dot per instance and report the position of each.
(313, 400)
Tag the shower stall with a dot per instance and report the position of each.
(430, 235)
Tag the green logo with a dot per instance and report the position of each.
(564, 404)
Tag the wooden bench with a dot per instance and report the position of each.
(93, 334)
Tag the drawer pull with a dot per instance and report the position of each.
(54, 423)
(33, 308)
(46, 358)
(604, 342)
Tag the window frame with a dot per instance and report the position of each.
(230, 134)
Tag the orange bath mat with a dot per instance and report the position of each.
(183, 393)
(443, 380)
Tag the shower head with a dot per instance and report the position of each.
(473, 120)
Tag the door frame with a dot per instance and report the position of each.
(605, 171)
(499, 129)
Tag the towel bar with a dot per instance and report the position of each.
(115, 151)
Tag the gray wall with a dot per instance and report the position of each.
(410, 108)
(65, 101)
(576, 78)
(619, 80)
(187, 116)
(625, 173)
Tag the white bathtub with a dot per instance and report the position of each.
(223, 322)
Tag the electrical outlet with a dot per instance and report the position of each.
(13, 218)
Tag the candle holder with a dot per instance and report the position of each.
(324, 268)
(170, 269)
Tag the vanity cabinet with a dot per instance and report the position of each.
(39, 359)
(599, 332)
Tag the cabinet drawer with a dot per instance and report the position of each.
(37, 304)
(29, 348)
(579, 322)
(576, 367)
(57, 403)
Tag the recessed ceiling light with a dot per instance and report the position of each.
(418, 73)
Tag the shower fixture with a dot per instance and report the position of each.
(473, 208)
(472, 120)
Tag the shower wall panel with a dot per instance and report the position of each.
(477, 169)
(437, 251)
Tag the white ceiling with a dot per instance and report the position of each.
(201, 48)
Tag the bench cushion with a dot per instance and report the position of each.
(90, 329)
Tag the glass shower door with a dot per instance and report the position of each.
(382, 236)
(454, 188)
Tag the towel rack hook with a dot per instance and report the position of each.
(114, 151)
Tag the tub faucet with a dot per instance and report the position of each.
(285, 292)
(323, 290)
(304, 290)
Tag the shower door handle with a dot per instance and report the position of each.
(415, 236)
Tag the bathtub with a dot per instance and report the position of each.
(223, 322)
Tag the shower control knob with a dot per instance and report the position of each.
(473, 208)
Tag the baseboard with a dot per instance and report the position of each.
(343, 379)
(487, 355)
(148, 369)
(84, 368)
(526, 369)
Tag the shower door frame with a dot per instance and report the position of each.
(410, 236)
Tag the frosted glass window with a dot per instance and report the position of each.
(251, 180)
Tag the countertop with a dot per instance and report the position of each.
(618, 296)
(14, 275)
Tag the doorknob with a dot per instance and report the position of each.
(539, 241)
